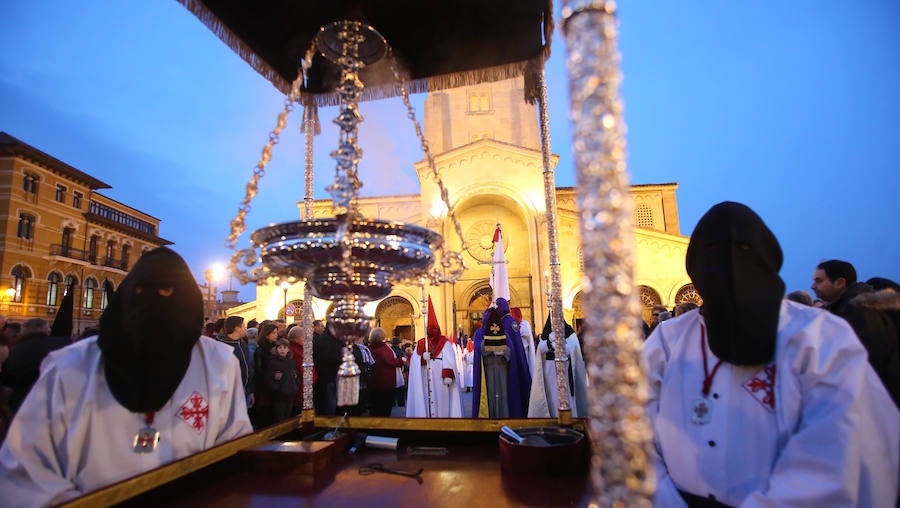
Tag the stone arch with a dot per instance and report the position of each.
(649, 297)
(397, 316)
(298, 312)
(478, 302)
(688, 293)
(578, 310)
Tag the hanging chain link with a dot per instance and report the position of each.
(249, 257)
(452, 264)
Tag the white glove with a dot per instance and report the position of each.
(448, 381)
(426, 355)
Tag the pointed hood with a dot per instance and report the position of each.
(733, 260)
(148, 330)
(434, 329)
(499, 279)
(62, 323)
(548, 329)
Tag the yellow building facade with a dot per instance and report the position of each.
(57, 232)
(486, 147)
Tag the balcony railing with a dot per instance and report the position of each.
(82, 255)
(71, 253)
(115, 263)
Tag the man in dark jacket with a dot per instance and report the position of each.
(327, 354)
(834, 282)
(23, 366)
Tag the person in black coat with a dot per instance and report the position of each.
(327, 355)
(23, 366)
(835, 283)
(282, 379)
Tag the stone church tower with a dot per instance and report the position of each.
(486, 145)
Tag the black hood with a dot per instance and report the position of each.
(548, 328)
(145, 337)
(733, 260)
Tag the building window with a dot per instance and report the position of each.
(479, 102)
(66, 241)
(643, 216)
(110, 252)
(53, 288)
(126, 249)
(60, 193)
(89, 286)
(26, 226)
(76, 199)
(121, 217)
(30, 183)
(92, 249)
(105, 294)
(20, 275)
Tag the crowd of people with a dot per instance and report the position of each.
(756, 398)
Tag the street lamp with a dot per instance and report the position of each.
(213, 273)
(285, 286)
(10, 297)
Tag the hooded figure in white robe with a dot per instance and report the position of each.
(527, 337)
(544, 400)
(148, 390)
(433, 360)
(759, 401)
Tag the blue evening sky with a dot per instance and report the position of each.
(790, 108)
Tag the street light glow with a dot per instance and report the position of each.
(217, 272)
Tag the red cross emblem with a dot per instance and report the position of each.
(195, 411)
(762, 387)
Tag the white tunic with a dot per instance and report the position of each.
(470, 367)
(528, 344)
(543, 401)
(826, 434)
(71, 436)
(447, 399)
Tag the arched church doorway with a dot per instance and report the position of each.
(396, 315)
(578, 311)
(479, 301)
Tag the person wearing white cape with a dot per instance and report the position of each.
(759, 401)
(436, 363)
(544, 400)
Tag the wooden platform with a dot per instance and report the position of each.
(323, 474)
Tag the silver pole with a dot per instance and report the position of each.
(621, 434)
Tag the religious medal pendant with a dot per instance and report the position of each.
(700, 411)
(145, 440)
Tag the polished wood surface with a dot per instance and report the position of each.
(468, 475)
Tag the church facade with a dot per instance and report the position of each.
(486, 147)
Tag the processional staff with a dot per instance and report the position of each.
(432, 408)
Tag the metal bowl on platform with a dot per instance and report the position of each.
(380, 252)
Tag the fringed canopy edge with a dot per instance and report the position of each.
(529, 68)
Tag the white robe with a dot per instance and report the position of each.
(470, 368)
(528, 344)
(447, 399)
(460, 366)
(71, 436)
(544, 398)
(831, 439)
